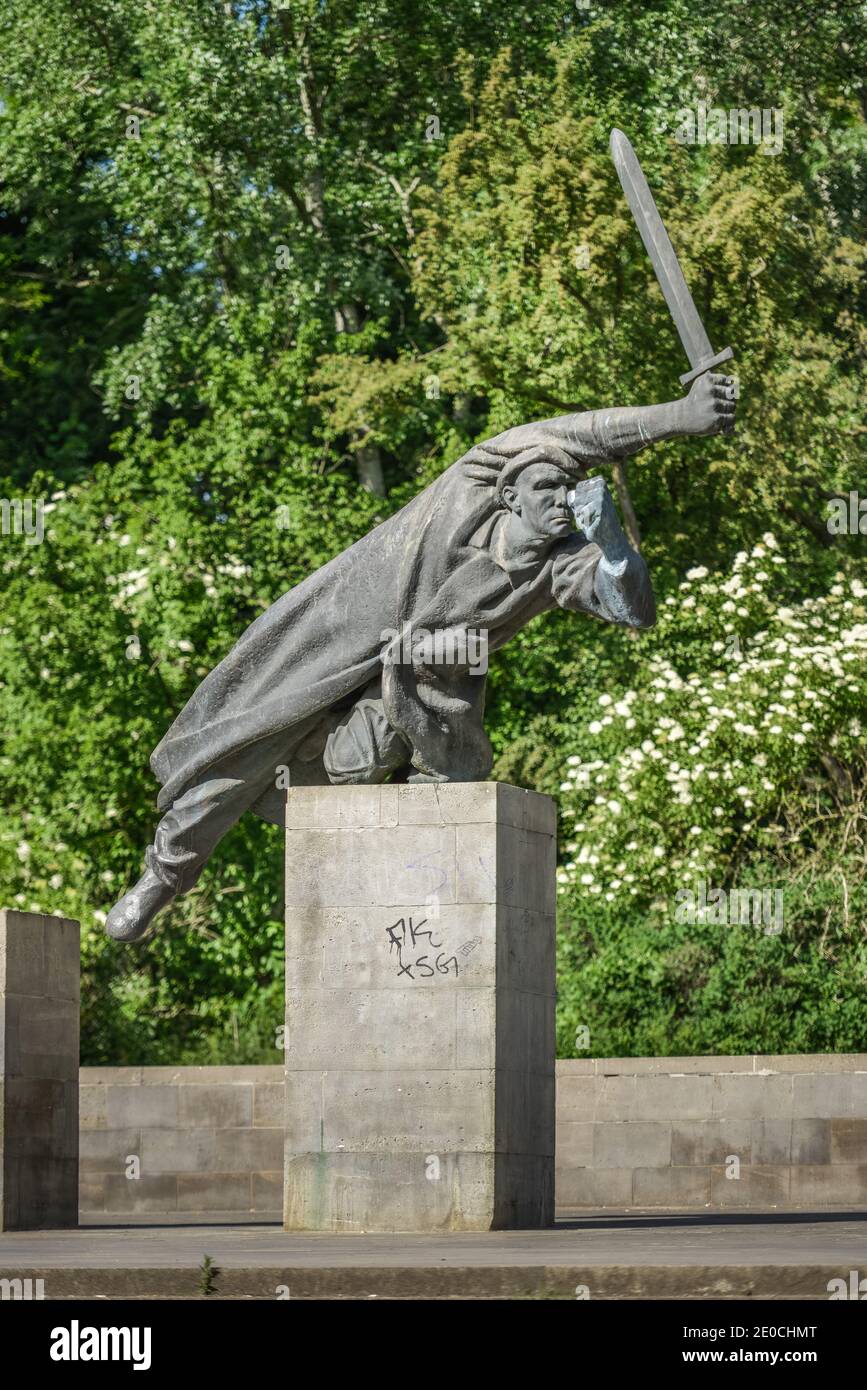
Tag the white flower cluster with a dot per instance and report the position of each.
(738, 696)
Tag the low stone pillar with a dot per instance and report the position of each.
(420, 930)
(39, 1029)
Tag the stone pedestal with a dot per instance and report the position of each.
(39, 1021)
(420, 925)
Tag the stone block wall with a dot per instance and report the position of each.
(754, 1132)
(631, 1132)
(207, 1139)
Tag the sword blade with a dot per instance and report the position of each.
(662, 254)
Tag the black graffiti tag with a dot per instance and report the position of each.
(406, 936)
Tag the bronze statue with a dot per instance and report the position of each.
(363, 672)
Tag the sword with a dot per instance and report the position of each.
(663, 257)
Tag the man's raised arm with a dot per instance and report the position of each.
(601, 436)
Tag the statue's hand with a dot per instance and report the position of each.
(595, 514)
(710, 406)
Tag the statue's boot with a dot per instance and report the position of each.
(130, 918)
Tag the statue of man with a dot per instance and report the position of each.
(363, 671)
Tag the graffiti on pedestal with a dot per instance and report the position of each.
(419, 956)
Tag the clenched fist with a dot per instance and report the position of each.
(595, 514)
(710, 406)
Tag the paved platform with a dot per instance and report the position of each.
(773, 1255)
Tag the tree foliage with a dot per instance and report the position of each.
(265, 269)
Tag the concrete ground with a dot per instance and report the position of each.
(651, 1255)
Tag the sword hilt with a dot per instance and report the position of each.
(705, 365)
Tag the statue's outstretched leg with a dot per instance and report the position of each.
(356, 746)
(185, 838)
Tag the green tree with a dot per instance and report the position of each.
(265, 269)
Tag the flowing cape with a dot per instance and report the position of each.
(320, 642)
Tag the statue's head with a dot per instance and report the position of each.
(534, 487)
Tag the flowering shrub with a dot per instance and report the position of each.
(734, 760)
(738, 696)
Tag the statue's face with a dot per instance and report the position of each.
(539, 498)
